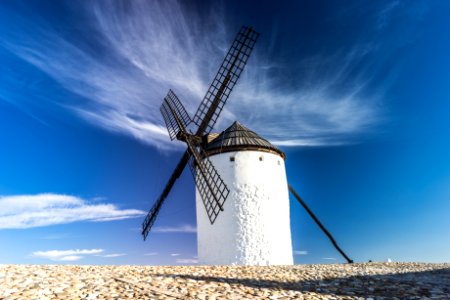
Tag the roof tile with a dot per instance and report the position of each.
(238, 136)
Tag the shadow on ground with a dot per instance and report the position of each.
(413, 285)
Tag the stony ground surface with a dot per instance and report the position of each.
(356, 281)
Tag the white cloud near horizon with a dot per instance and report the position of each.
(28, 211)
(188, 261)
(177, 229)
(66, 255)
(112, 255)
(148, 53)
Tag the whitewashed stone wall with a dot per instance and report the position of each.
(254, 228)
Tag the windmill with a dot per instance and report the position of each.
(239, 235)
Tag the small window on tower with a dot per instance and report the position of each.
(231, 158)
(278, 162)
(261, 158)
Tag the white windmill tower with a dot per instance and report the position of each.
(254, 228)
(242, 191)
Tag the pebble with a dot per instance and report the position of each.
(368, 281)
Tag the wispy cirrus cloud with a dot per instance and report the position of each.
(55, 236)
(140, 52)
(66, 255)
(27, 211)
(300, 252)
(385, 13)
(175, 229)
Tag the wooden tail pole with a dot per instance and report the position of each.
(297, 196)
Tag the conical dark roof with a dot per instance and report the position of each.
(238, 138)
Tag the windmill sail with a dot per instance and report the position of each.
(227, 76)
(176, 119)
(153, 213)
(174, 114)
(211, 187)
(213, 190)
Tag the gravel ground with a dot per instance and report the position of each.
(355, 281)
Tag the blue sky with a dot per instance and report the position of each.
(355, 93)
